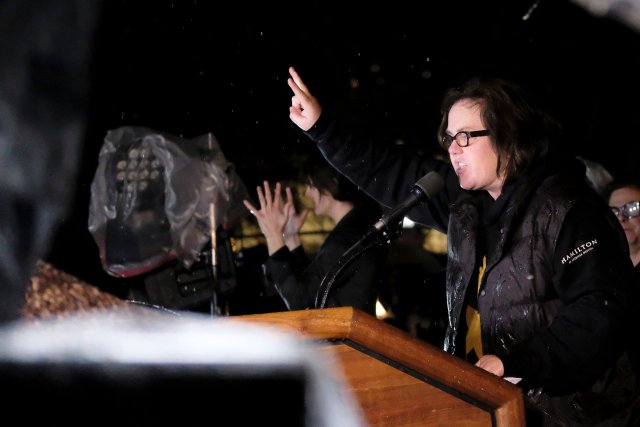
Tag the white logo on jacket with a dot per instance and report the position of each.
(579, 251)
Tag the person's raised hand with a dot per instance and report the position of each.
(294, 222)
(305, 108)
(272, 215)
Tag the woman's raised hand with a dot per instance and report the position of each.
(305, 108)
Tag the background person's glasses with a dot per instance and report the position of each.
(629, 210)
(462, 138)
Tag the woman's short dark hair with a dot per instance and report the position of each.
(521, 131)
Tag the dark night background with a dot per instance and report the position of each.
(192, 67)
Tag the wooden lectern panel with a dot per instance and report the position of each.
(390, 397)
(399, 380)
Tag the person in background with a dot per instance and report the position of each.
(624, 200)
(539, 280)
(296, 277)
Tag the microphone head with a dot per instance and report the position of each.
(430, 184)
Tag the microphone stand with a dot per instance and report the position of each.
(350, 255)
(424, 188)
(213, 303)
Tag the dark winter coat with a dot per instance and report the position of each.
(557, 294)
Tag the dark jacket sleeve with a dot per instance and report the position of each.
(292, 277)
(357, 285)
(593, 278)
(385, 171)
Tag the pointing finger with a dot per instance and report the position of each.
(297, 80)
(298, 92)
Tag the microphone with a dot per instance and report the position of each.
(425, 188)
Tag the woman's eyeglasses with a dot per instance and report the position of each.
(628, 210)
(462, 138)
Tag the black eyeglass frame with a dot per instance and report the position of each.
(625, 209)
(447, 139)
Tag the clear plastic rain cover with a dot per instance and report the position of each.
(155, 196)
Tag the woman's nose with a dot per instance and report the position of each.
(454, 148)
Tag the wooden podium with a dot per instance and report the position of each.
(399, 380)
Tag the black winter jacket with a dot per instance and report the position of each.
(556, 296)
